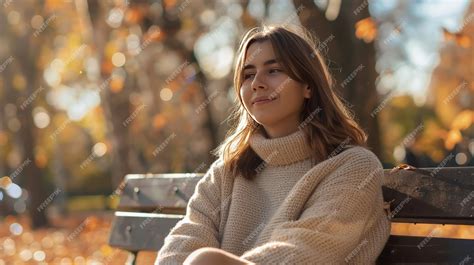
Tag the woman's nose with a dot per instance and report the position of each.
(257, 83)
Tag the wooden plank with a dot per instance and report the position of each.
(160, 193)
(431, 195)
(426, 250)
(141, 231)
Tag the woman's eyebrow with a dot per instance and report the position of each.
(251, 66)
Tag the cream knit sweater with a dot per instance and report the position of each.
(293, 212)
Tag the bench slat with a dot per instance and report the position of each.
(441, 196)
(141, 231)
(435, 195)
(161, 193)
(420, 250)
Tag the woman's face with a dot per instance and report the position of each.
(270, 96)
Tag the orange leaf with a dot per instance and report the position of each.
(5, 181)
(463, 120)
(41, 159)
(133, 16)
(454, 137)
(366, 29)
(116, 84)
(459, 38)
(169, 4)
(159, 121)
(107, 67)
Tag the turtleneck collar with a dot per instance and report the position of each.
(282, 150)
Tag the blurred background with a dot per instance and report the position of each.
(93, 90)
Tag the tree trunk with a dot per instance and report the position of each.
(346, 53)
(27, 58)
(116, 105)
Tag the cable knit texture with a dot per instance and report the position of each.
(293, 212)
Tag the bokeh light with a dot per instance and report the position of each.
(99, 149)
(166, 94)
(16, 229)
(14, 191)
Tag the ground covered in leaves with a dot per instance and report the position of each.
(79, 238)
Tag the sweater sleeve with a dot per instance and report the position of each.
(331, 228)
(199, 228)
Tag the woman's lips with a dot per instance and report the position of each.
(264, 101)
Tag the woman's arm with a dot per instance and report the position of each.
(214, 256)
(200, 226)
(331, 229)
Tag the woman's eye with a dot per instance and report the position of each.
(271, 71)
(246, 76)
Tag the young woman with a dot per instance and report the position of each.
(293, 182)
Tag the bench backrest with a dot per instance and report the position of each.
(150, 205)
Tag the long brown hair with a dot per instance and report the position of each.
(326, 122)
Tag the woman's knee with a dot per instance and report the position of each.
(205, 256)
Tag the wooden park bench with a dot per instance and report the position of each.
(150, 205)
